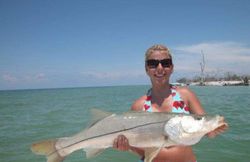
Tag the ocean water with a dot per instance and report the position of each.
(30, 115)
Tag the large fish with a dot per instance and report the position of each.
(151, 131)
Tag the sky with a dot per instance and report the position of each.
(82, 43)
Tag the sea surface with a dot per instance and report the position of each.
(30, 115)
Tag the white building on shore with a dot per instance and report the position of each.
(221, 83)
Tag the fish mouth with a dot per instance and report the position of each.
(221, 122)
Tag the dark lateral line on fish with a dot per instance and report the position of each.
(108, 134)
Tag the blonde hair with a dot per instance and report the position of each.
(157, 47)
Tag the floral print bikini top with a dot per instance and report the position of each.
(178, 106)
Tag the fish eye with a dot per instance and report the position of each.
(198, 118)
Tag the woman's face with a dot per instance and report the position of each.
(159, 67)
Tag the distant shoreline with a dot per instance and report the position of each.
(221, 83)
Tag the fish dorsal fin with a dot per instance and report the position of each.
(150, 153)
(90, 152)
(98, 115)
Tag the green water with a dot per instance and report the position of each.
(30, 115)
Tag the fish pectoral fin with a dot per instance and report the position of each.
(91, 152)
(48, 149)
(97, 115)
(150, 153)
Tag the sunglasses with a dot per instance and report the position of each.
(152, 63)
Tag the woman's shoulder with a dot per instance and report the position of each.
(183, 90)
(185, 93)
(191, 100)
(138, 104)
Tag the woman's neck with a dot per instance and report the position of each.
(161, 92)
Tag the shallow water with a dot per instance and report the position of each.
(30, 115)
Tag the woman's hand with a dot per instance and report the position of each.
(121, 143)
(218, 131)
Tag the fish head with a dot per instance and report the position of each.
(189, 129)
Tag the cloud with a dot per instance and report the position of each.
(35, 77)
(224, 51)
(225, 56)
(40, 76)
(9, 78)
(113, 75)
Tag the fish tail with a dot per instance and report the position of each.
(48, 149)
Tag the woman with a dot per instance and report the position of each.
(163, 97)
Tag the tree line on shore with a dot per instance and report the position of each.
(209, 78)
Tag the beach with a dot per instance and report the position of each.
(222, 83)
(27, 116)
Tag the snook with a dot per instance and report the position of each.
(151, 131)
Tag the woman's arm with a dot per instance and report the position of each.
(121, 142)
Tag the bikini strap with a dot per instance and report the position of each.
(147, 103)
(179, 105)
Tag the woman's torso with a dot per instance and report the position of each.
(177, 105)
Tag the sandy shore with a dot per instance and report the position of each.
(221, 83)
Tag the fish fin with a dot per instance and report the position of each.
(98, 115)
(90, 152)
(150, 153)
(169, 143)
(48, 149)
